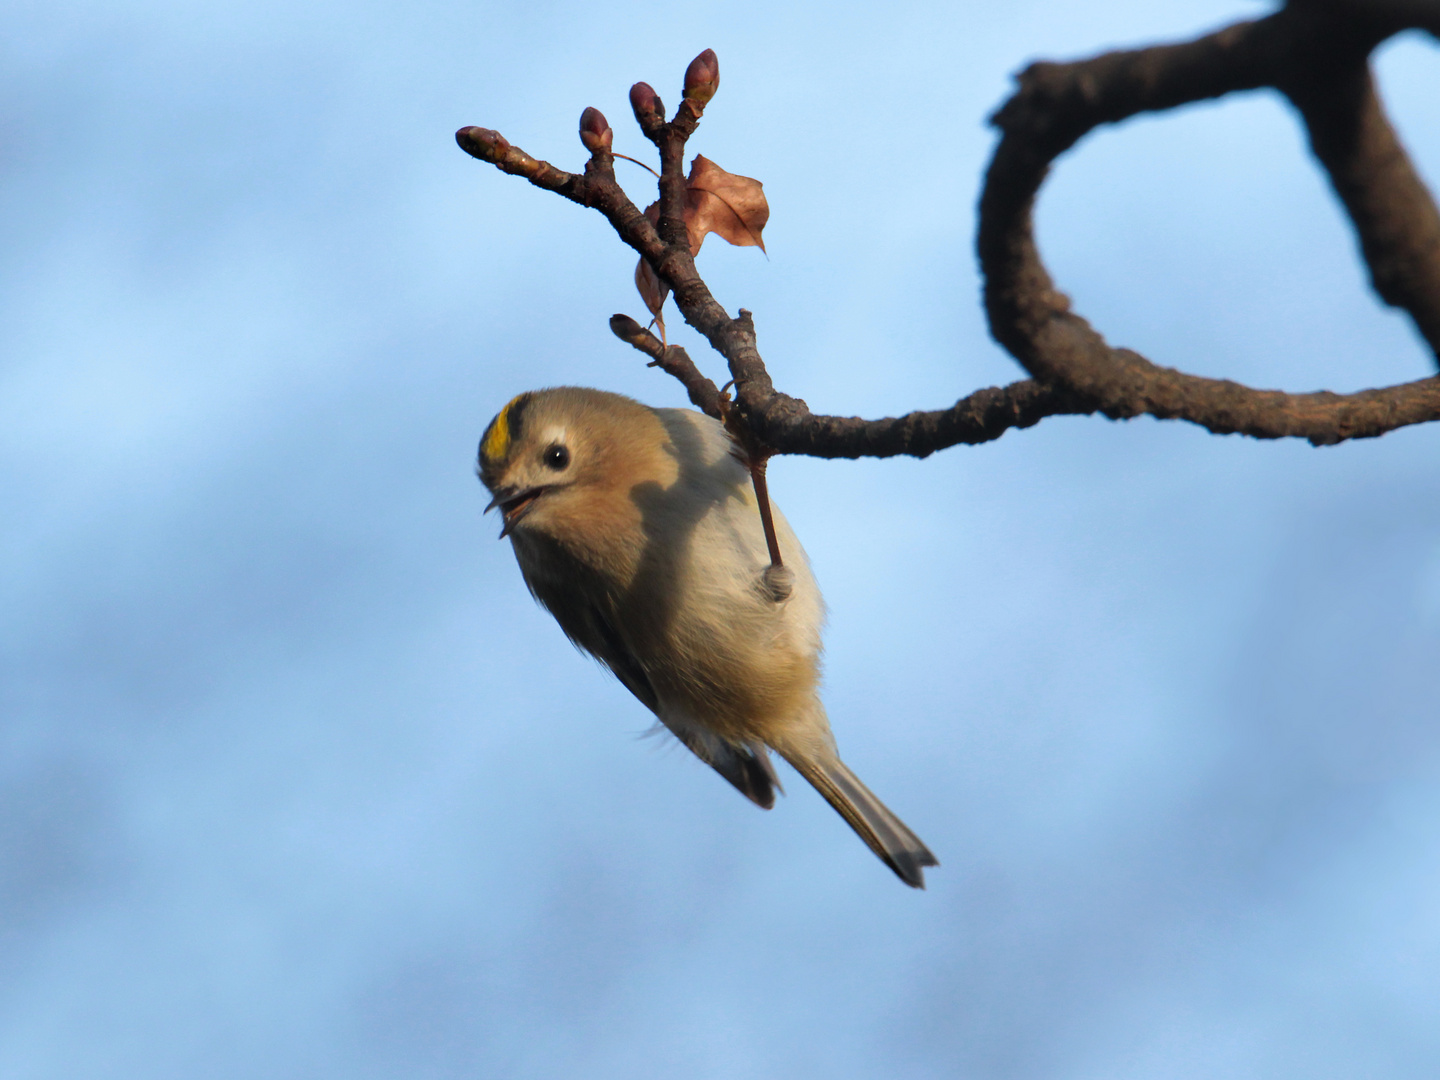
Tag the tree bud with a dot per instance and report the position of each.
(627, 329)
(595, 130)
(702, 77)
(646, 103)
(481, 142)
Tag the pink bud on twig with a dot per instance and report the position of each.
(595, 130)
(481, 142)
(646, 103)
(702, 77)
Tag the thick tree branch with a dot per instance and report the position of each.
(791, 428)
(1317, 54)
(1314, 51)
(781, 423)
(1393, 213)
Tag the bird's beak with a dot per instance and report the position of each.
(514, 504)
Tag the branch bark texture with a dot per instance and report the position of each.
(1315, 52)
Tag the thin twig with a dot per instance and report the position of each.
(1314, 51)
(634, 161)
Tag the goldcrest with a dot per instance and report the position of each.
(638, 529)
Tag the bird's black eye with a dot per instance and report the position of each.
(556, 457)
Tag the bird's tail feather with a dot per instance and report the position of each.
(874, 822)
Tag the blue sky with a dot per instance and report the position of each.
(295, 780)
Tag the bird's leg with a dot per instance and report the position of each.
(777, 581)
(757, 466)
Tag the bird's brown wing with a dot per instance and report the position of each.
(747, 766)
(590, 627)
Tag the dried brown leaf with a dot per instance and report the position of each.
(653, 291)
(732, 207)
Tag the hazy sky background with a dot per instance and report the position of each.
(295, 780)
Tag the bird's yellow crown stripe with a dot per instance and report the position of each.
(497, 439)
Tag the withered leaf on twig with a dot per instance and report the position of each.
(732, 207)
(653, 291)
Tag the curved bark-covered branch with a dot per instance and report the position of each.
(1316, 52)
(781, 423)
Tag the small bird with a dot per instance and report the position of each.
(637, 529)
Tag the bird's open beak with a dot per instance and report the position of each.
(514, 504)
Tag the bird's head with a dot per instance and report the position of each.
(551, 457)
